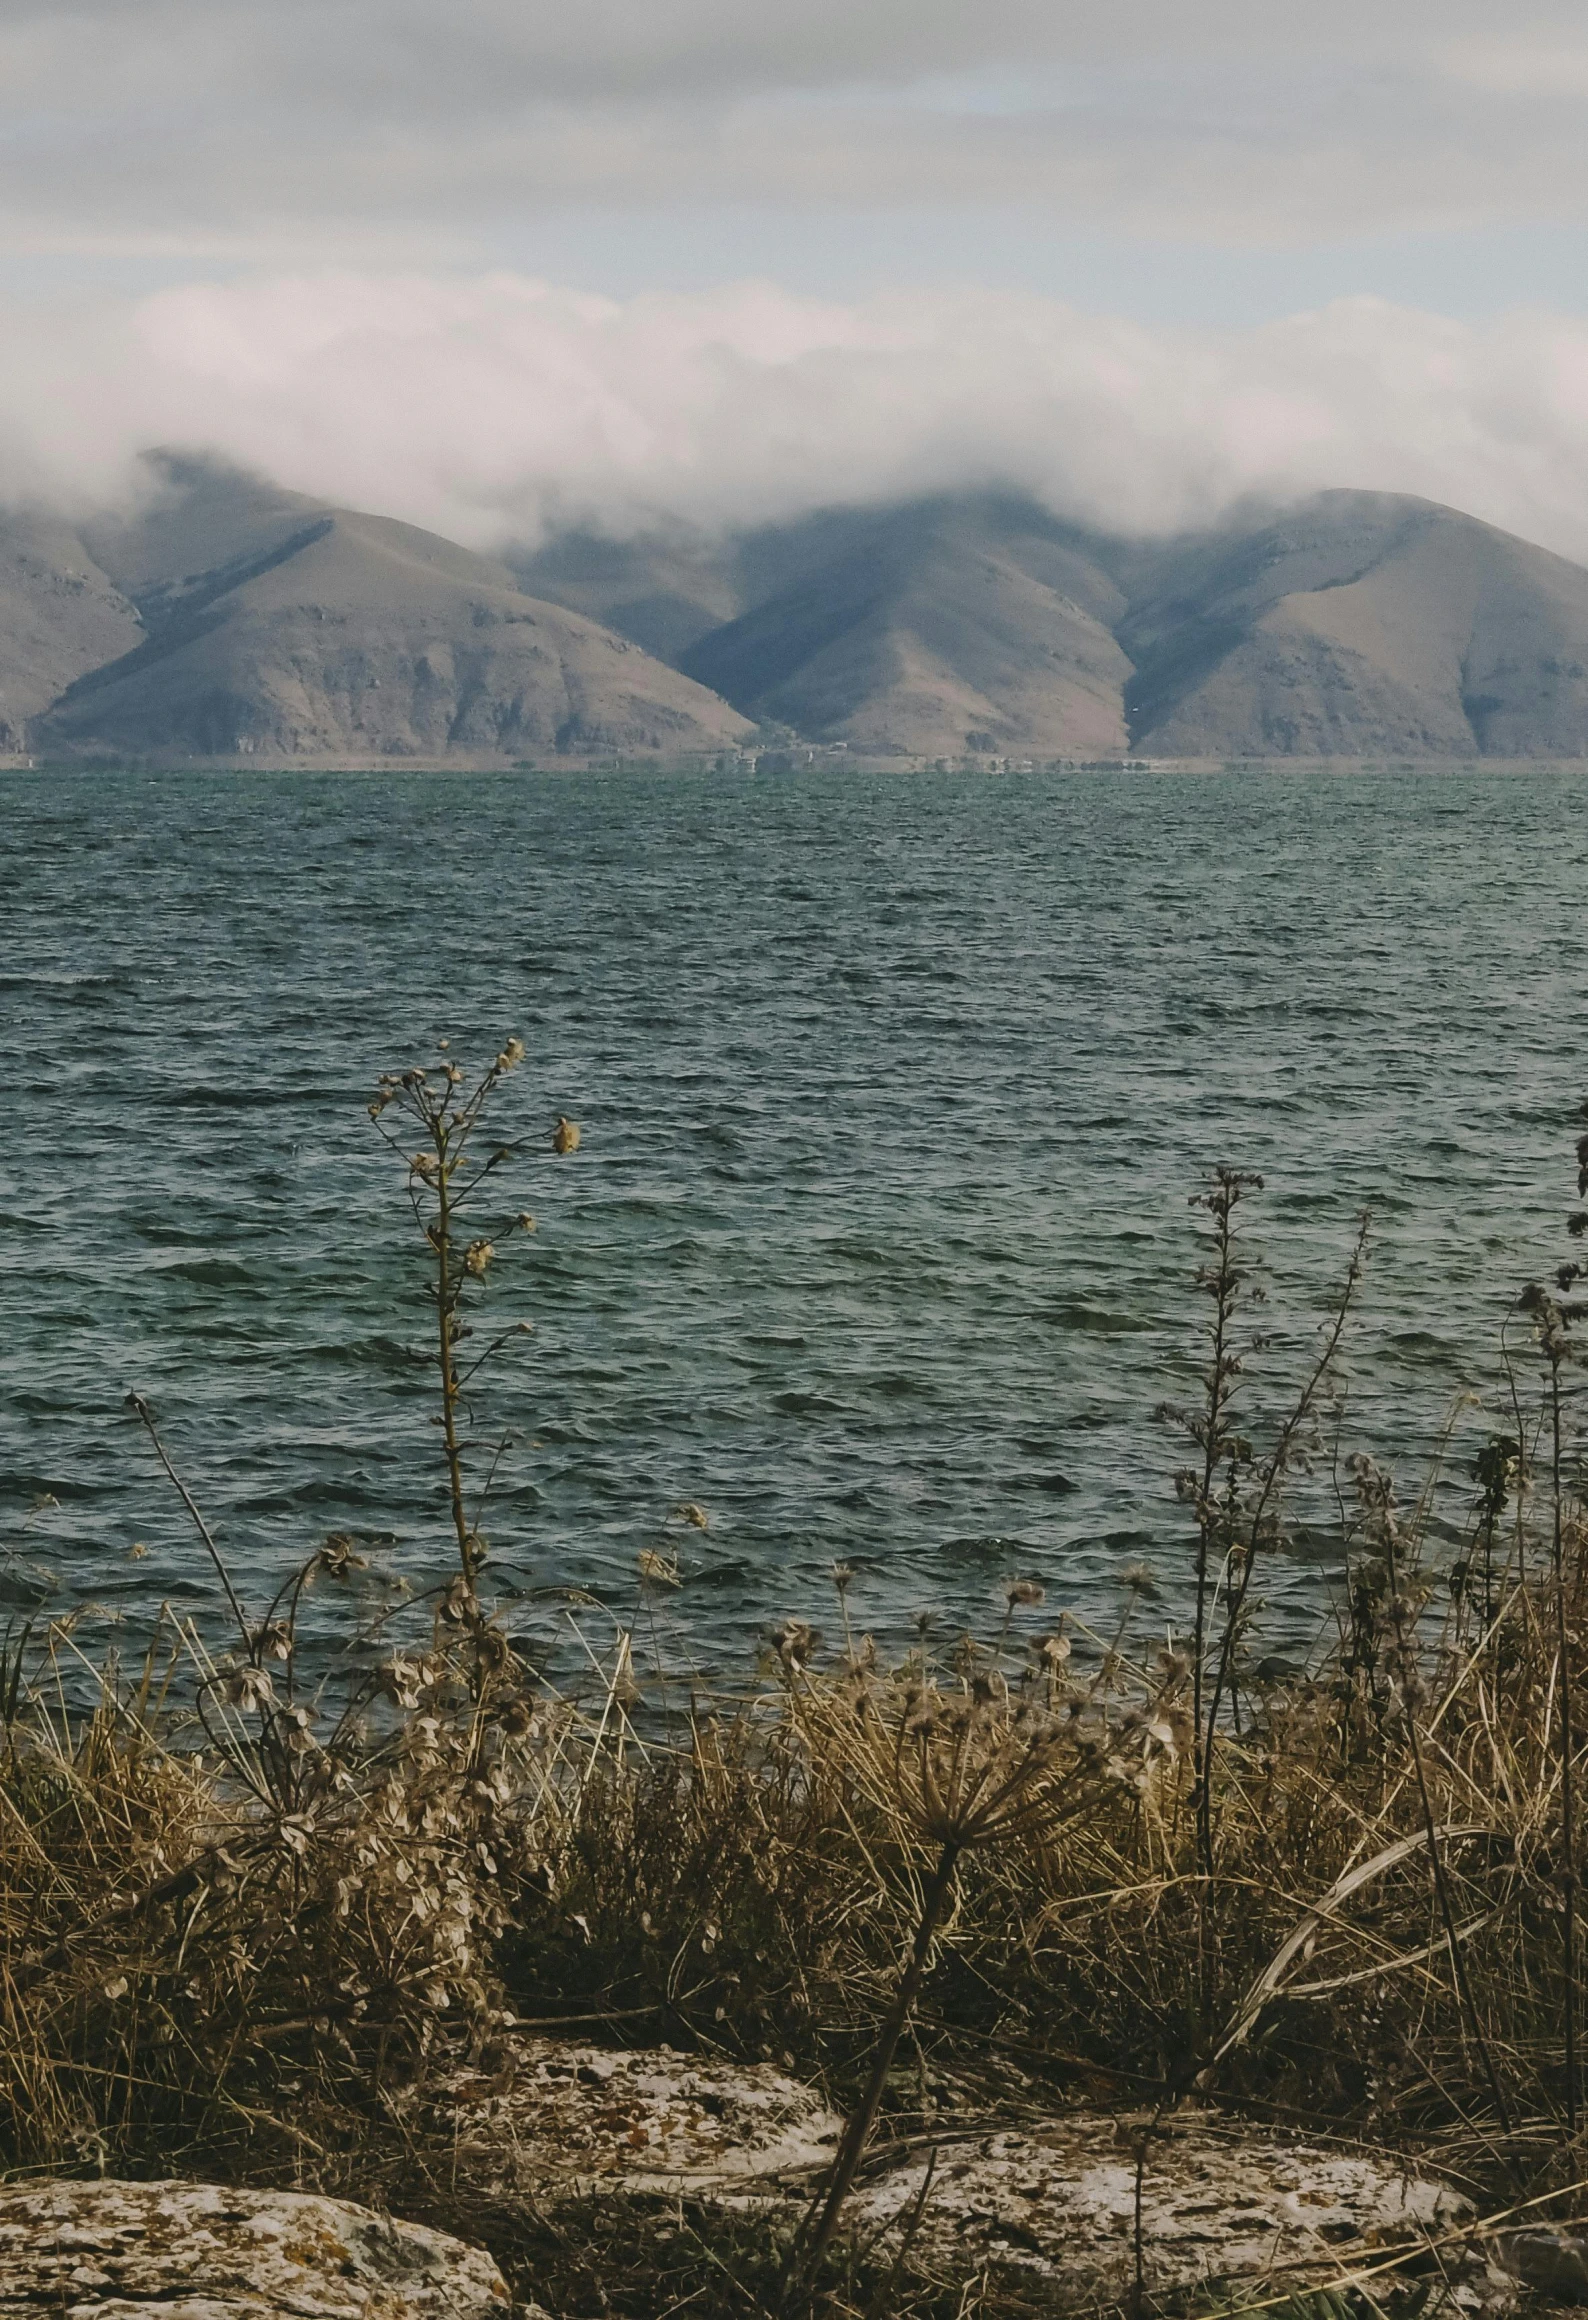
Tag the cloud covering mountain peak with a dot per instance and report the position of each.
(495, 407)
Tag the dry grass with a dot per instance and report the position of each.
(192, 1976)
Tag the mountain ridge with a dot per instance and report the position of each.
(224, 620)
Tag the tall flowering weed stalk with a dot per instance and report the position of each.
(431, 1120)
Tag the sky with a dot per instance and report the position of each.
(496, 265)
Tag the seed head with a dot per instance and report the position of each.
(794, 1642)
(250, 1688)
(458, 1603)
(338, 1558)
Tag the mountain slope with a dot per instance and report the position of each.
(225, 619)
(942, 627)
(274, 626)
(664, 592)
(1361, 624)
(60, 616)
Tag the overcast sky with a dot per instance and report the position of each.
(1306, 241)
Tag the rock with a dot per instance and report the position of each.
(571, 2120)
(1053, 2203)
(1553, 2263)
(1220, 2201)
(190, 2251)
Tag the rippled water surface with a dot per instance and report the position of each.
(893, 1091)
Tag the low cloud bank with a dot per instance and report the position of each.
(494, 408)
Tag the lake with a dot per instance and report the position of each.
(893, 1092)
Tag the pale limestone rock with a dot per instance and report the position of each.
(1219, 2201)
(191, 2251)
(1052, 2202)
(569, 2120)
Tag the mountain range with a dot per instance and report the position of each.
(227, 621)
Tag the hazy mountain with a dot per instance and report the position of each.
(1357, 625)
(945, 625)
(664, 592)
(980, 620)
(257, 623)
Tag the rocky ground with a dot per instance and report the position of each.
(1224, 2215)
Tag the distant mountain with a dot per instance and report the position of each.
(234, 621)
(1357, 625)
(982, 621)
(225, 620)
(1361, 624)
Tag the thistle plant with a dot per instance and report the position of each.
(956, 1771)
(1553, 1315)
(432, 1120)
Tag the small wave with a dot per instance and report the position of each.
(385, 1353)
(239, 1099)
(897, 1386)
(337, 1495)
(720, 1575)
(69, 984)
(36, 1487)
(161, 1233)
(27, 1588)
(1420, 1345)
(1091, 1320)
(986, 1544)
(207, 1272)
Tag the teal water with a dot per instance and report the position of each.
(893, 1092)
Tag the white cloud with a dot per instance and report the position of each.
(490, 407)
